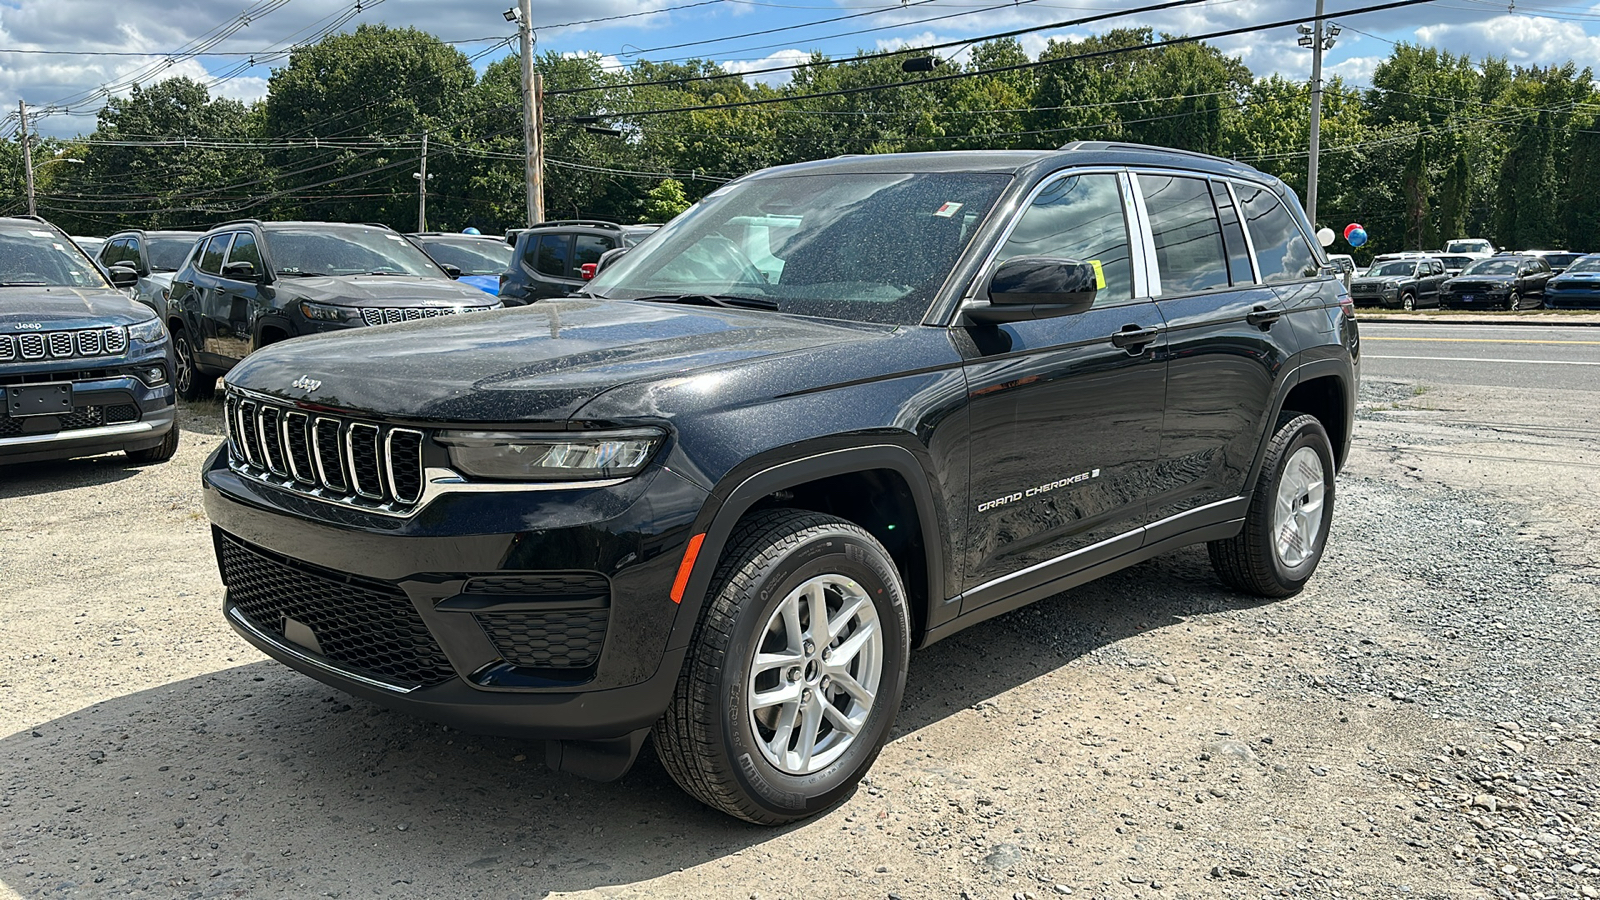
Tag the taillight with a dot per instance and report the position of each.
(587, 270)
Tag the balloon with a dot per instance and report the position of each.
(1325, 236)
(1351, 227)
(470, 230)
(1357, 237)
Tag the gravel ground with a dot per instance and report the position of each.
(1418, 723)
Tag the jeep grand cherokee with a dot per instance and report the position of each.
(836, 411)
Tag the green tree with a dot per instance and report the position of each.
(355, 106)
(1455, 198)
(1420, 233)
(664, 201)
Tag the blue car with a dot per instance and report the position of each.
(1576, 288)
(84, 368)
(480, 260)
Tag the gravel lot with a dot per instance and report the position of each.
(1419, 722)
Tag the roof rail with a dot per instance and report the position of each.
(1129, 145)
(563, 222)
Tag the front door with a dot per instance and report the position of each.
(1065, 414)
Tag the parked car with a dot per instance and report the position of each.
(1558, 259)
(153, 256)
(548, 258)
(1400, 283)
(89, 245)
(1455, 263)
(480, 260)
(1576, 288)
(253, 283)
(1477, 248)
(1346, 264)
(1500, 282)
(834, 411)
(84, 369)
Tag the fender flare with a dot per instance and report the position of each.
(1295, 374)
(726, 507)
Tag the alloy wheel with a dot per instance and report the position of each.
(1297, 514)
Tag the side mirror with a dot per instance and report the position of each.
(452, 271)
(607, 258)
(239, 271)
(123, 276)
(1037, 287)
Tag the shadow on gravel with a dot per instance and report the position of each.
(31, 479)
(257, 781)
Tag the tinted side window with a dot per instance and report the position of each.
(552, 257)
(113, 252)
(245, 250)
(130, 254)
(1187, 235)
(1282, 252)
(587, 249)
(216, 250)
(1079, 217)
(1232, 236)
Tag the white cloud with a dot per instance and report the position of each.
(1522, 40)
(781, 58)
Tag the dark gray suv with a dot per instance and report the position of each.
(550, 257)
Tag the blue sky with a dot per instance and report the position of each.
(82, 34)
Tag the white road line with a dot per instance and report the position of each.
(1471, 359)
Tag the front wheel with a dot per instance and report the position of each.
(189, 381)
(159, 453)
(1286, 526)
(1408, 301)
(795, 673)
(1513, 302)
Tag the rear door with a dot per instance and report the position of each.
(242, 298)
(225, 328)
(1065, 413)
(1429, 294)
(547, 262)
(1227, 339)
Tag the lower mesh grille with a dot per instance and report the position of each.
(367, 626)
(554, 639)
(121, 413)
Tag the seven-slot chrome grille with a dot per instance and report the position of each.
(376, 315)
(52, 345)
(330, 457)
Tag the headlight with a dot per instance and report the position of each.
(528, 456)
(151, 332)
(1391, 289)
(321, 312)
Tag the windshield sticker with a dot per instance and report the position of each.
(1099, 275)
(948, 210)
(41, 234)
(395, 237)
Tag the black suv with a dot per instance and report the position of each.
(1508, 281)
(1400, 283)
(83, 368)
(836, 411)
(548, 259)
(154, 256)
(252, 283)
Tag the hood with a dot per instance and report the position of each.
(62, 308)
(1569, 277)
(382, 290)
(536, 363)
(162, 279)
(1378, 280)
(489, 284)
(1471, 281)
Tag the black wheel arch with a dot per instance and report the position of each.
(1324, 388)
(745, 489)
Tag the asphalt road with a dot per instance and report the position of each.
(1488, 355)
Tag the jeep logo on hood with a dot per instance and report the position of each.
(307, 384)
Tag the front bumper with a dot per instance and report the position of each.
(113, 409)
(540, 614)
(1572, 299)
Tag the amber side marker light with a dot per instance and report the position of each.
(685, 567)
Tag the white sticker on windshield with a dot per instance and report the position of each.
(395, 237)
(41, 234)
(948, 210)
(59, 247)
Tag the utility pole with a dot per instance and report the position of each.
(27, 155)
(532, 116)
(422, 187)
(1319, 39)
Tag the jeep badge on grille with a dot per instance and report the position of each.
(307, 384)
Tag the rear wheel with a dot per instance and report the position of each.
(1286, 526)
(795, 673)
(189, 381)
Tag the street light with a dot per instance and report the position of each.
(33, 209)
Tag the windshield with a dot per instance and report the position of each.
(867, 247)
(1586, 264)
(1492, 267)
(472, 257)
(632, 236)
(1467, 247)
(347, 251)
(1390, 269)
(34, 257)
(167, 253)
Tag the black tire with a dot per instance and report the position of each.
(189, 381)
(707, 739)
(159, 453)
(1408, 301)
(1513, 302)
(1250, 561)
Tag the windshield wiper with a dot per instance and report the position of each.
(729, 301)
(305, 274)
(23, 284)
(396, 274)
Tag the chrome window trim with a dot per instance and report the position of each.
(1249, 239)
(1147, 241)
